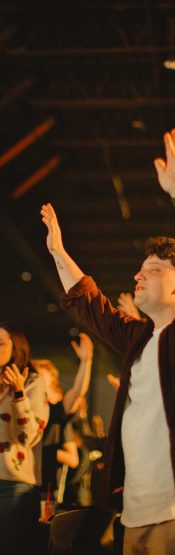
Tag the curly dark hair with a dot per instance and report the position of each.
(163, 247)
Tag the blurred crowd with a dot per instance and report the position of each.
(51, 451)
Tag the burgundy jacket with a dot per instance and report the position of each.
(127, 336)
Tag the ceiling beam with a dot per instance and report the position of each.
(106, 141)
(36, 177)
(130, 175)
(103, 103)
(91, 52)
(88, 5)
(26, 141)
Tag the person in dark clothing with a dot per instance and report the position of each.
(140, 453)
(58, 445)
(78, 488)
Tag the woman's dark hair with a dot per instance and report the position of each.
(21, 349)
(163, 247)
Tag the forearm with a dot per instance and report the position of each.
(82, 378)
(68, 270)
(80, 385)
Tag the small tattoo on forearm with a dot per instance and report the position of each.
(59, 266)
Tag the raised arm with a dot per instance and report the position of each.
(166, 168)
(81, 382)
(94, 308)
(68, 271)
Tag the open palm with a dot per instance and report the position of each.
(166, 168)
(54, 238)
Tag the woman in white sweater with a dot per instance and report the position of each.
(24, 414)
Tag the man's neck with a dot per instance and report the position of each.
(162, 317)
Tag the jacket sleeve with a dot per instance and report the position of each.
(30, 416)
(94, 309)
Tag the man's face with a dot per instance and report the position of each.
(155, 284)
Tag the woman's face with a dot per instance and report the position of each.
(6, 347)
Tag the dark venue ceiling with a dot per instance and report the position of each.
(85, 99)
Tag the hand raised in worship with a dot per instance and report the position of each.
(126, 303)
(12, 376)
(54, 238)
(85, 349)
(166, 168)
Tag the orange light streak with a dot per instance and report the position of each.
(26, 141)
(36, 177)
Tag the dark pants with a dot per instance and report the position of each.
(19, 513)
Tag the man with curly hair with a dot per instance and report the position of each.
(141, 444)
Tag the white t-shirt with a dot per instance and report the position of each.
(149, 491)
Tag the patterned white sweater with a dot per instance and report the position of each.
(21, 428)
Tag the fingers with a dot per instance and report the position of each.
(25, 373)
(51, 210)
(123, 300)
(84, 337)
(121, 304)
(86, 344)
(9, 374)
(7, 378)
(48, 212)
(6, 381)
(46, 218)
(169, 141)
(75, 346)
(15, 370)
(124, 297)
(13, 377)
(173, 136)
(160, 166)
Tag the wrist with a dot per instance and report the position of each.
(18, 395)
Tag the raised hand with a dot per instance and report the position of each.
(68, 270)
(166, 168)
(54, 238)
(114, 381)
(85, 350)
(13, 377)
(126, 303)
